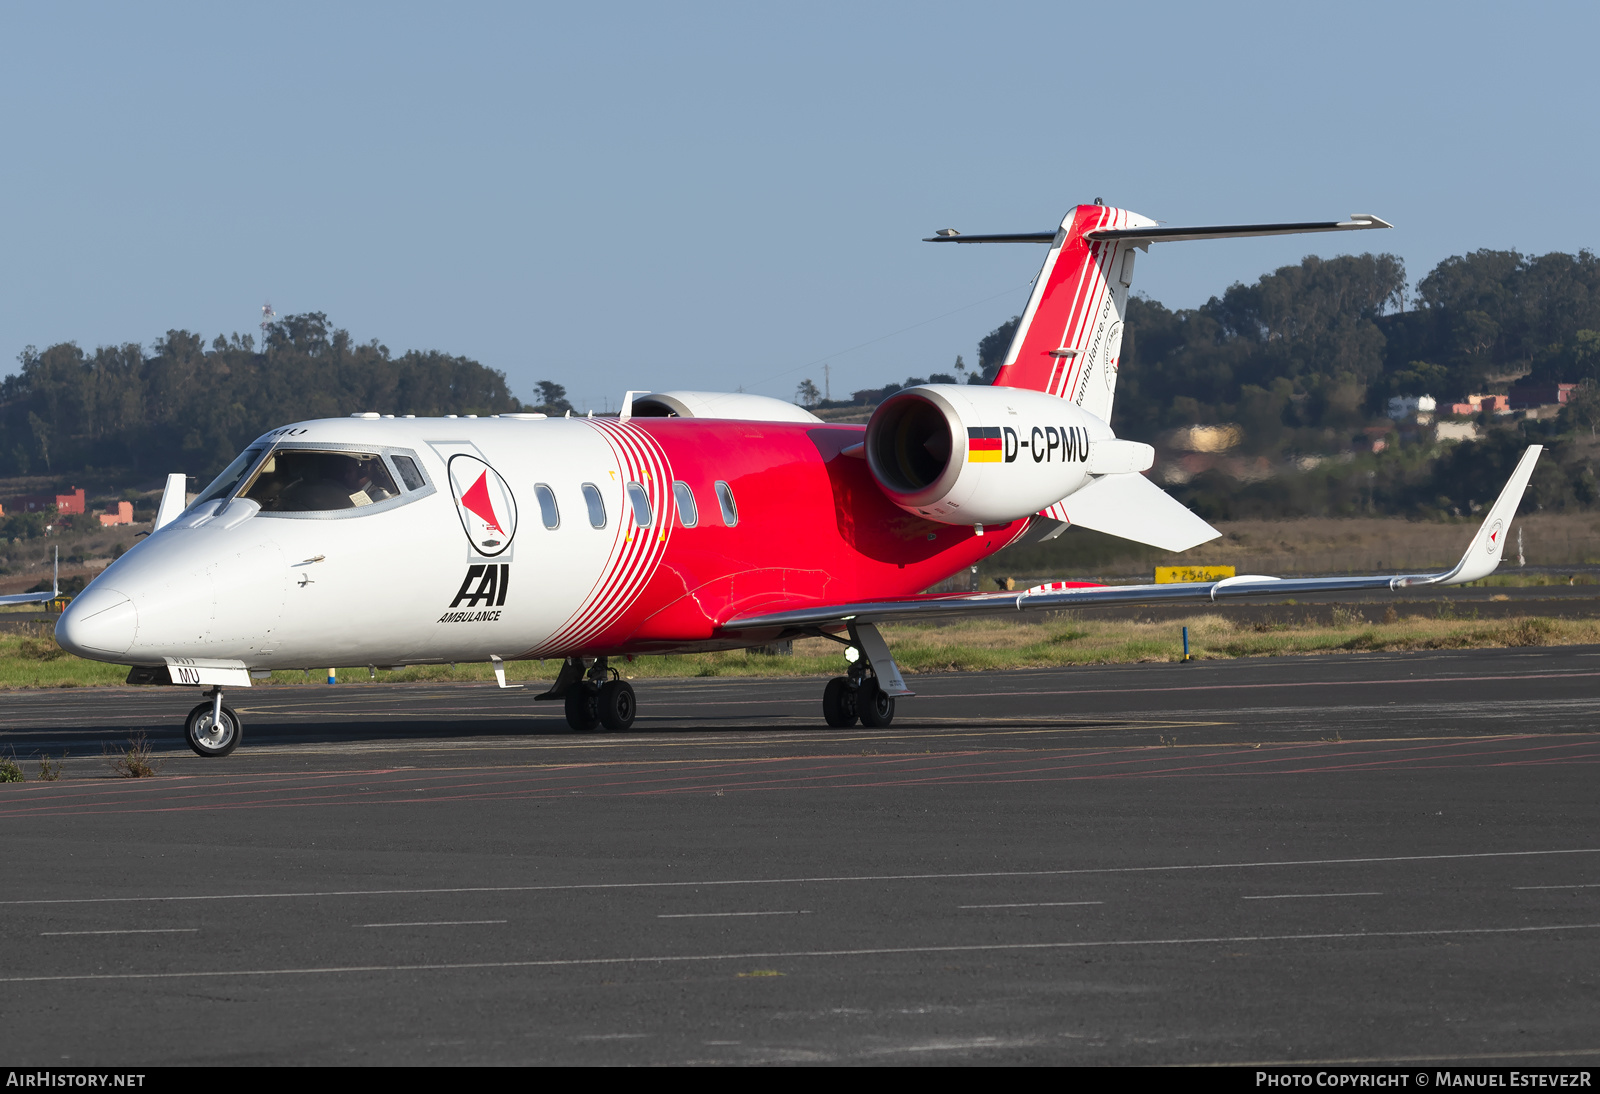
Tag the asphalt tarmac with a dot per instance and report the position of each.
(1359, 858)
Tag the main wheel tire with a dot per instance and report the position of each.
(875, 704)
(617, 704)
(839, 703)
(210, 739)
(583, 707)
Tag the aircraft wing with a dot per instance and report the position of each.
(28, 598)
(1480, 560)
(38, 598)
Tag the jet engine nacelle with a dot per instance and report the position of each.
(987, 455)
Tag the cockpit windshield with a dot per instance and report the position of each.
(224, 484)
(299, 481)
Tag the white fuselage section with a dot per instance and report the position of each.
(387, 583)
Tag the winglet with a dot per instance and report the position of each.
(172, 501)
(1483, 553)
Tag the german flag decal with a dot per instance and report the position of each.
(983, 444)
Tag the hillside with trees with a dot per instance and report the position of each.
(183, 405)
(1294, 373)
(1306, 360)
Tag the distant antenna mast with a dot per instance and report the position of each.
(267, 316)
(827, 386)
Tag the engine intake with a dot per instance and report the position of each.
(909, 445)
(981, 455)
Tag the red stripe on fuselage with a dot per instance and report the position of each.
(813, 528)
(635, 552)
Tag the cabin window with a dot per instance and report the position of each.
(547, 505)
(224, 483)
(597, 504)
(687, 513)
(293, 480)
(407, 467)
(641, 505)
(730, 511)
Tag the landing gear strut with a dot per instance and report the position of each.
(211, 728)
(598, 697)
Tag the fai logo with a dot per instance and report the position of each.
(484, 585)
(1492, 544)
(484, 503)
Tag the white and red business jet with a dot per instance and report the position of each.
(693, 521)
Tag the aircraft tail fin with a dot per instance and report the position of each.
(1130, 506)
(1069, 338)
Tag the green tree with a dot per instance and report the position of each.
(180, 406)
(1583, 408)
(992, 350)
(552, 399)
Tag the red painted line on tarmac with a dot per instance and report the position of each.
(819, 773)
(1282, 684)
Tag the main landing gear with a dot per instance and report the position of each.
(211, 728)
(846, 699)
(867, 691)
(594, 697)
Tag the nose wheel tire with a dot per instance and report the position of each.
(210, 737)
(875, 704)
(583, 707)
(617, 704)
(839, 703)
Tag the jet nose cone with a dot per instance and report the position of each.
(99, 622)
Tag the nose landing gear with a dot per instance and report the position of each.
(211, 728)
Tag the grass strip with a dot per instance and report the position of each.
(32, 660)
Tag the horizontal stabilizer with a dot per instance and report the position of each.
(1165, 234)
(1132, 507)
(1174, 234)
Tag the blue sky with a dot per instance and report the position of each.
(711, 196)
